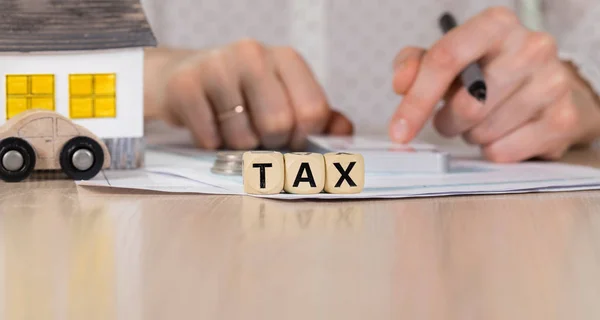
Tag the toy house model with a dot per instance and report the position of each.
(83, 59)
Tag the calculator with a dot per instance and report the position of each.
(384, 156)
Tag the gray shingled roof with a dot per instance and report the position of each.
(58, 25)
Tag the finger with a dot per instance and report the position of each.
(406, 67)
(202, 126)
(505, 75)
(185, 96)
(309, 103)
(547, 137)
(441, 65)
(223, 91)
(546, 87)
(339, 125)
(455, 87)
(270, 107)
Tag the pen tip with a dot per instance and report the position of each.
(480, 95)
(479, 91)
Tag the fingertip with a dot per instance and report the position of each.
(408, 120)
(210, 145)
(339, 125)
(399, 130)
(496, 154)
(406, 53)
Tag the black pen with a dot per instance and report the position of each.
(471, 76)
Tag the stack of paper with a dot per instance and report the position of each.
(188, 171)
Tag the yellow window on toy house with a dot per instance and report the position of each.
(23, 92)
(93, 96)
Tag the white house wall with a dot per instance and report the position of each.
(127, 64)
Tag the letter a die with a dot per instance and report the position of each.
(263, 172)
(344, 173)
(304, 173)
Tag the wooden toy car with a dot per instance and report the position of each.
(45, 140)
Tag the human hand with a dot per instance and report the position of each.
(537, 106)
(282, 101)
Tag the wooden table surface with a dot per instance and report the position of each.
(76, 253)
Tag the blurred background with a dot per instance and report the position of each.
(349, 44)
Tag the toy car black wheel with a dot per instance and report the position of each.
(17, 159)
(81, 158)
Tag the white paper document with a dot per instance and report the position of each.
(188, 171)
